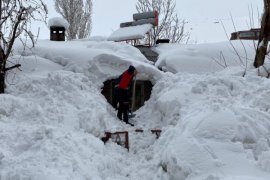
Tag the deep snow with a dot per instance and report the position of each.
(215, 123)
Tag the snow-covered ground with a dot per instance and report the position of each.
(215, 122)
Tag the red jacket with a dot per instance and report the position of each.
(125, 80)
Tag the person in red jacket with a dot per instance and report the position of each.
(124, 93)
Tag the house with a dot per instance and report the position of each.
(135, 32)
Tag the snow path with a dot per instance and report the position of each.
(139, 162)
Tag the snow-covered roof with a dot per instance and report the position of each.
(200, 58)
(58, 22)
(130, 33)
(105, 59)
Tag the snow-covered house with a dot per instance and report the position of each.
(133, 32)
(104, 61)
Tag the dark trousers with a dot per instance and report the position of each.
(122, 113)
(123, 98)
(115, 98)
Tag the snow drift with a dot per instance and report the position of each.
(215, 125)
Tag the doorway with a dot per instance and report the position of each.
(143, 92)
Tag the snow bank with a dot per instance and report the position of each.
(50, 129)
(213, 126)
(201, 58)
(34, 65)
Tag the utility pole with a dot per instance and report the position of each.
(264, 36)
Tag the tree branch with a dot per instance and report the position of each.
(19, 19)
(12, 67)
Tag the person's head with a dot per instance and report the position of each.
(132, 70)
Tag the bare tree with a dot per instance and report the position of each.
(79, 16)
(170, 26)
(86, 21)
(15, 21)
(264, 36)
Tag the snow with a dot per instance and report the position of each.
(58, 22)
(130, 33)
(215, 123)
(203, 58)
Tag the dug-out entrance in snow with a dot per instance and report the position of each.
(143, 92)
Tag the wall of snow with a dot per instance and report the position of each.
(50, 127)
(213, 126)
